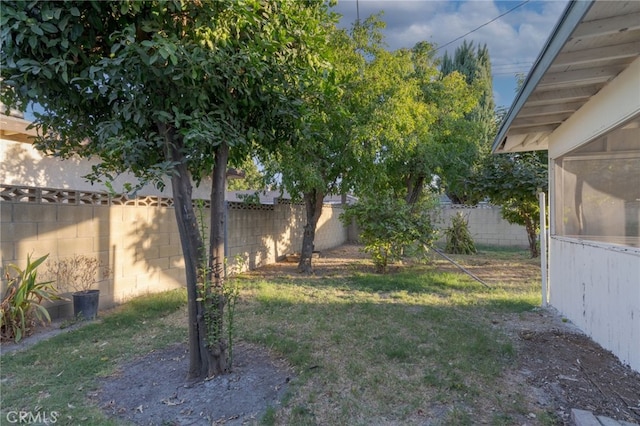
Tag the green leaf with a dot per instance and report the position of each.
(49, 27)
(47, 14)
(36, 29)
(74, 11)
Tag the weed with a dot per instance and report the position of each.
(459, 239)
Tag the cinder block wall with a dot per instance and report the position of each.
(486, 226)
(138, 238)
(261, 234)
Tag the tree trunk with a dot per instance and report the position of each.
(207, 356)
(313, 206)
(217, 345)
(532, 236)
(414, 189)
(192, 246)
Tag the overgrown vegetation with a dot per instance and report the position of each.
(459, 239)
(21, 307)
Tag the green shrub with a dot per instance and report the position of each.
(21, 306)
(459, 239)
(388, 225)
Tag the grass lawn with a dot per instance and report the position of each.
(416, 346)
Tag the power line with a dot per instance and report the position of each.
(483, 25)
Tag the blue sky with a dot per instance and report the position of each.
(514, 40)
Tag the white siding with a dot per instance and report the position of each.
(597, 287)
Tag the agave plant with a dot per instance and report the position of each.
(21, 306)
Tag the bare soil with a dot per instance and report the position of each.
(558, 367)
(153, 389)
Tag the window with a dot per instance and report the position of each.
(598, 188)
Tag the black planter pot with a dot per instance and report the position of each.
(85, 304)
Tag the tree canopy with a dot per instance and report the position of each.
(409, 121)
(472, 140)
(167, 90)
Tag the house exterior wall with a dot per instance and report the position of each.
(597, 287)
(22, 164)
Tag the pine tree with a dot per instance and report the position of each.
(475, 65)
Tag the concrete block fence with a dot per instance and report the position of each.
(486, 225)
(138, 238)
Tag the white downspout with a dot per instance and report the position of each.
(543, 249)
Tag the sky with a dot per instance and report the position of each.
(514, 40)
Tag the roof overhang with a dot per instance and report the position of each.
(592, 43)
(15, 129)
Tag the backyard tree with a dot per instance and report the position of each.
(405, 116)
(472, 142)
(513, 181)
(318, 159)
(165, 89)
(412, 120)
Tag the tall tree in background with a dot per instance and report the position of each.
(411, 120)
(474, 140)
(165, 89)
(405, 115)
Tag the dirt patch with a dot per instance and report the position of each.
(574, 372)
(153, 391)
(560, 368)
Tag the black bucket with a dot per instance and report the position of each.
(85, 304)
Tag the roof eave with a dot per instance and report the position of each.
(571, 18)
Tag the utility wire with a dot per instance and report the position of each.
(483, 25)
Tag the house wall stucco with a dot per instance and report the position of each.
(597, 285)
